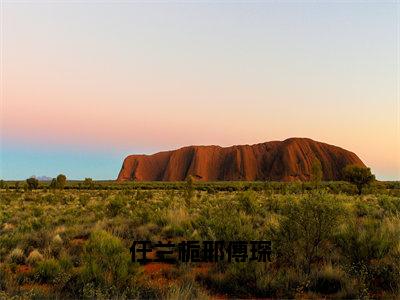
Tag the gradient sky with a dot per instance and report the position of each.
(84, 83)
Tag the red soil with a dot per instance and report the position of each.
(77, 242)
(288, 160)
(24, 269)
(202, 268)
(44, 288)
(153, 267)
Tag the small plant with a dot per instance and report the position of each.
(115, 205)
(46, 271)
(57, 240)
(328, 281)
(247, 202)
(84, 199)
(316, 172)
(17, 256)
(34, 258)
(189, 189)
(3, 184)
(56, 245)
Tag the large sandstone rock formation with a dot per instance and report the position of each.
(287, 160)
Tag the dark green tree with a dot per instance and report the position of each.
(359, 176)
(189, 188)
(3, 184)
(61, 181)
(316, 172)
(32, 183)
(88, 182)
(53, 184)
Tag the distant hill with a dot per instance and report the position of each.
(287, 160)
(42, 178)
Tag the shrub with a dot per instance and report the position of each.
(61, 181)
(224, 222)
(360, 243)
(53, 184)
(187, 289)
(328, 281)
(106, 260)
(115, 205)
(49, 198)
(34, 257)
(47, 270)
(39, 239)
(173, 230)
(17, 256)
(3, 184)
(32, 183)
(247, 202)
(56, 245)
(88, 182)
(57, 240)
(308, 223)
(316, 172)
(391, 205)
(143, 195)
(359, 176)
(371, 252)
(189, 189)
(84, 199)
(249, 280)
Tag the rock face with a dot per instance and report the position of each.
(288, 160)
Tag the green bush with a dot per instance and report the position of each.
(391, 205)
(61, 181)
(371, 252)
(172, 231)
(116, 205)
(3, 184)
(88, 183)
(308, 225)
(106, 260)
(46, 271)
(84, 199)
(34, 258)
(247, 201)
(328, 281)
(17, 256)
(225, 222)
(32, 183)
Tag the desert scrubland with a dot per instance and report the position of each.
(75, 242)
